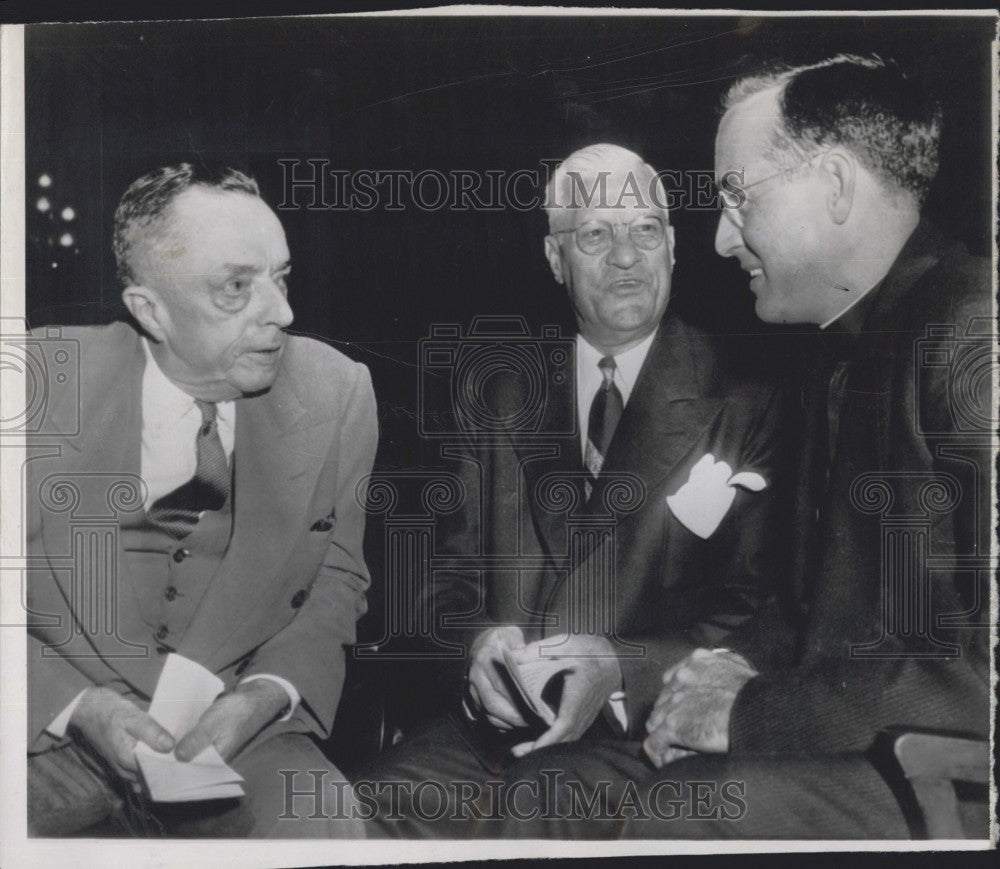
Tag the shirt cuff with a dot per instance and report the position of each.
(294, 698)
(57, 727)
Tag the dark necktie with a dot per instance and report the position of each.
(178, 512)
(605, 411)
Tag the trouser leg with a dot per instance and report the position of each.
(436, 784)
(608, 790)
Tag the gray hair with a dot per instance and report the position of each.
(568, 187)
(148, 199)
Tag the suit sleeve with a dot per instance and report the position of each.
(52, 686)
(839, 705)
(310, 651)
(455, 598)
(836, 701)
(741, 574)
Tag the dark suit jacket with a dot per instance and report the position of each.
(906, 521)
(672, 589)
(284, 599)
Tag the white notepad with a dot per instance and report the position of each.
(183, 693)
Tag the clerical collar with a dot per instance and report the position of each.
(852, 318)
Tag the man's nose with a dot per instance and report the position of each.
(727, 236)
(623, 254)
(277, 310)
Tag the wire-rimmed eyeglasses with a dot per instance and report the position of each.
(732, 196)
(597, 236)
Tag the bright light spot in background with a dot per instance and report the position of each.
(65, 239)
(68, 213)
(43, 204)
(44, 181)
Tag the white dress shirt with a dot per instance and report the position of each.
(589, 378)
(170, 423)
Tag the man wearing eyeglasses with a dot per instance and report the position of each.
(827, 167)
(667, 458)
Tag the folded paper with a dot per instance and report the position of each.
(183, 693)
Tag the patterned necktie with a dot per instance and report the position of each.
(605, 411)
(178, 512)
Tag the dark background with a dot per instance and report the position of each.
(107, 102)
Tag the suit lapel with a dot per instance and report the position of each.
(278, 455)
(665, 416)
(666, 413)
(556, 457)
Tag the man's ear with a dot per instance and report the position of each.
(554, 256)
(671, 247)
(145, 305)
(842, 173)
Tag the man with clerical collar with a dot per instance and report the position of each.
(632, 525)
(824, 170)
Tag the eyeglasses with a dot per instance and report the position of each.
(597, 236)
(733, 197)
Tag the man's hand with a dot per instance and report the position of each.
(112, 725)
(486, 688)
(594, 675)
(234, 719)
(693, 709)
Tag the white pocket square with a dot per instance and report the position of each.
(702, 502)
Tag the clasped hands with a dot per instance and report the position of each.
(693, 709)
(592, 676)
(112, 725)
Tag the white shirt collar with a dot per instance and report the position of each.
(627, 364)
(589, 376)
(164, 402)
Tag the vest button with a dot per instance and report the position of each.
(170, 593)
(162, 632)
(299, 598)
(180, 555)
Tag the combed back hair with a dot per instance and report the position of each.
(586, 165)
(148, 199)
(886, 119)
